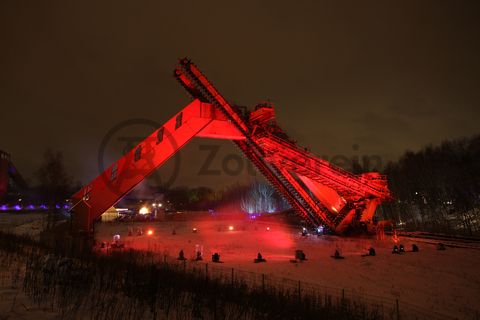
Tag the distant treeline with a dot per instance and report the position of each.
(437, 188)
(258, 197)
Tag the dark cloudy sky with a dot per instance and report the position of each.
(386, 75)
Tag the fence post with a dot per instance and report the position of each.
(232, 276)
(184, 265)
(299, 291)
(263, 282)
(398, 309)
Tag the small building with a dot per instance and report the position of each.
(110, 215)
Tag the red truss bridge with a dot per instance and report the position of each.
(320, 192)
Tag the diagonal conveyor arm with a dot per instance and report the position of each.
(109, 187)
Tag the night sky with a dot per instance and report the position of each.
(385, 75)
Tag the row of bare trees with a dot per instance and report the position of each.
(437, 188)
(261, 197)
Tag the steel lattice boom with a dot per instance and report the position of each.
(320, 192)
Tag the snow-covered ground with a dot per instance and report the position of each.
(447, 281)
(22, 223)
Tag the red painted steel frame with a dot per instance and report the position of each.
(197, 118)
(318, 191)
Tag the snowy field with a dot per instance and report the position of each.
(22, 223)
(447, 281)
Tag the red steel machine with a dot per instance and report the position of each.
(320, 192)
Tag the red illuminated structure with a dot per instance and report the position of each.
(321, 193)
(10, 178)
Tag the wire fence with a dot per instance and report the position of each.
(28, 270)
(382, 307)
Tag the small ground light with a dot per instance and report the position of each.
(194, 230)
(230, 228)
(268, 228)
(149, 232)
(304, 232)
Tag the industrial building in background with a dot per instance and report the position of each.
(12, 184)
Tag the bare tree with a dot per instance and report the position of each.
(260, 198)
(54, 184)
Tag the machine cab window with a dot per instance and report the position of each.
(160, 135)
(138, 153)
(178, 121)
